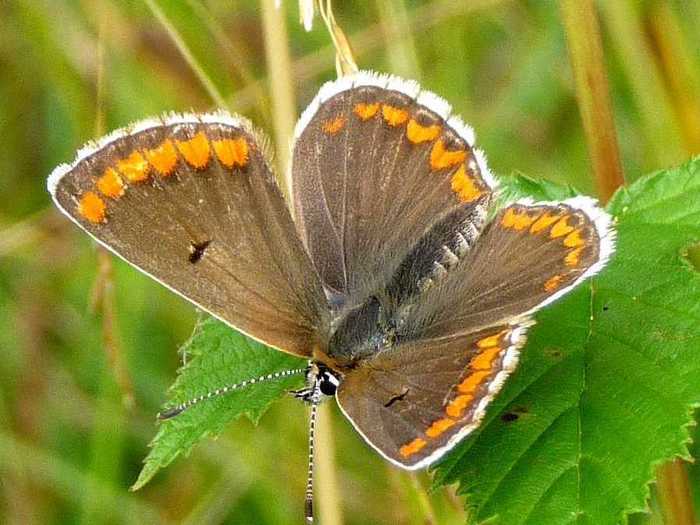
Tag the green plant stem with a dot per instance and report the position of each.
(593, 93)
(401, 52)
(673, 488)
(281, 84)
(424, 503)
(328, 492)
(186, 53)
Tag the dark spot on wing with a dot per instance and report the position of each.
(197, 250)
(396, 398)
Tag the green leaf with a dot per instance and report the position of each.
(520, 186)
(217, 356)
(607, 381)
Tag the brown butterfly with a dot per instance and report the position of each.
(410, 305)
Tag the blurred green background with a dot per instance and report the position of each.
(88, 348)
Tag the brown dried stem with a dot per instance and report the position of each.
(592, 91)
(673, 488)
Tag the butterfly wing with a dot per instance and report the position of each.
(376, 162)
(526, 257)
(414, 403)
(460, 340)
(190, 200)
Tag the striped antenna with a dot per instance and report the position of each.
(179, 409)
(309, 501)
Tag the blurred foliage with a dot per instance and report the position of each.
(71, 443)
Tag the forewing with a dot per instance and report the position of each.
(191, 201)
(415, 402)
(376, 162)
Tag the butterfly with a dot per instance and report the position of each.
(391, 271)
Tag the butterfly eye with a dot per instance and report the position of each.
(328, 384)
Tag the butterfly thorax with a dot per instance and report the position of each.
(360, 331)
(363, 328)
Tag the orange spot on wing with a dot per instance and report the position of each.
(163, 158)
(573, 257)
(334, 125)
(543, 222)
(135, 167)
(472, 382)
(111, 184)
(442, 158)
(439, 426)
(92, 207)
(196, 150)
(491, 340)
(413, 447)
(508, 218)
(456, 407)
(231, 152)
(417, 133)
(464, 185)
(523, 221)
(366, 111)
(553, 283)
(484, 360)
(561, 228)
(573, 240)
(518, 220)
(394, 116)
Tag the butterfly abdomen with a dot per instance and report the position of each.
(437, 252)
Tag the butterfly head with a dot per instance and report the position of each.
(321, 383)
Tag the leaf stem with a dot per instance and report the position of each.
(592, 92)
